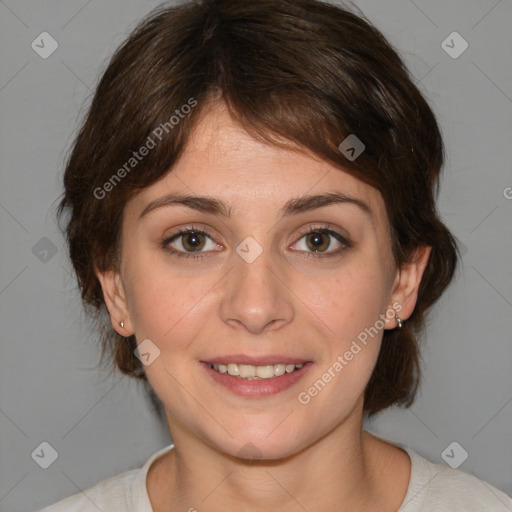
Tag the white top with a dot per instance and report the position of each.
(432, 488)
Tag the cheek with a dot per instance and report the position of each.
(347, 308)
(165, 307)
(347, 300)
(167, 310)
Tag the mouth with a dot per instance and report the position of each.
(251, 372)
(264, 377)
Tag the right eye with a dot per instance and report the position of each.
(189, 243)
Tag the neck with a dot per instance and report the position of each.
(338, 473)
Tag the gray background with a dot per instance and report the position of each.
(51, 389)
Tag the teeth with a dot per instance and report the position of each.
(233, 369)
(250, 372)
(279, 369)
(246, 370)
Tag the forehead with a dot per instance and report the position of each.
(222, 160)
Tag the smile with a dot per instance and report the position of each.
(256, 380)
(250, 372)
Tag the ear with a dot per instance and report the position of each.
(115, 300)
(406, 285)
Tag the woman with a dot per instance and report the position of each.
(252, 200)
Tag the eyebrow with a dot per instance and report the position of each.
(294, 206)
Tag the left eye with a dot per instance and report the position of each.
(319, 240)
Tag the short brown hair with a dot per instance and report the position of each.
(290, 71)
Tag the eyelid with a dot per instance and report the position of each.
(330, 230)
(193, 228)
(325, 228)
(186, 231)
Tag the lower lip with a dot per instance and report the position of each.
(257, 388)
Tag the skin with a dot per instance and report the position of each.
(314, 456)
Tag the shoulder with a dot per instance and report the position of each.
(109, 494)
(441, 488)
(126, 491)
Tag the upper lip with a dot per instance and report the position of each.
(255, 360)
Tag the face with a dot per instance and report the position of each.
(259, 286)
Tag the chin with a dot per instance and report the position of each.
(253, 446)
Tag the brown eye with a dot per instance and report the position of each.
(193, 241)
(318, 241)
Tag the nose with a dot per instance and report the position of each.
(256, 297)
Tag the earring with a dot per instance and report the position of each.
(122, 324)
(398, 321)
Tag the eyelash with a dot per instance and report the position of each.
(312, 229)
